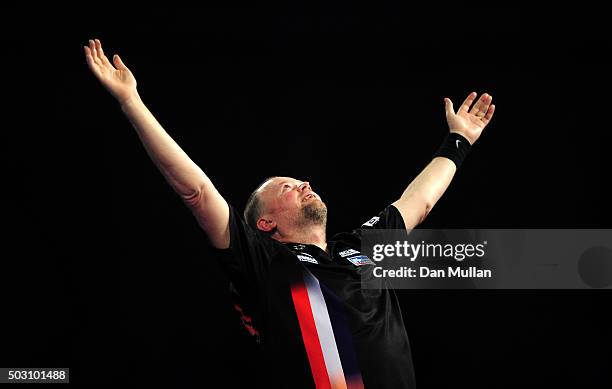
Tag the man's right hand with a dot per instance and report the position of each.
(118, 79)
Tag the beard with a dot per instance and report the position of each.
(314, 212)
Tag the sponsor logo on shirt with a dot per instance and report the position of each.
(371, 222)
(298, 247)
(360, 260)
(307, 258)
(348, 252)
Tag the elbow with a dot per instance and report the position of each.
(414, 208)
(424, 205)
(427, 206)
(194, 197)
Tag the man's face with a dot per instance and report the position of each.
(290, 202)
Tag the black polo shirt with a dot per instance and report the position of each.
(316, 325)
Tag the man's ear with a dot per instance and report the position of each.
(265, 225)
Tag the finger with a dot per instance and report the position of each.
(94, 54)
(448, 106)
(98, 50)
(477, 109)
(489, 114)
(101, 53)
(118, 62)
(90, 62)
(87, 53)
(89, 57)
(468, 102)
(486, 102)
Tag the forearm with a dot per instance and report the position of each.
(432, 182)
(425, 190)
(185, 177)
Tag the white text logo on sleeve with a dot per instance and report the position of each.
(371, 222)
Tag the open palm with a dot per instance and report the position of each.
(469, 120)
(118, 79)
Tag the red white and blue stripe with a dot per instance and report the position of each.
(326, 335)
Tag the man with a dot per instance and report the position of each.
(319, 328)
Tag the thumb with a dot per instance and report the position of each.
(448, 106)
(118, 62)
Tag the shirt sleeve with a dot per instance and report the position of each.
(389, 218)
(247, 259)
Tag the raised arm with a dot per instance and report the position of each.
(426, 189)
(185, 177)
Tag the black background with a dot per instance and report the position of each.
(106, 272)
